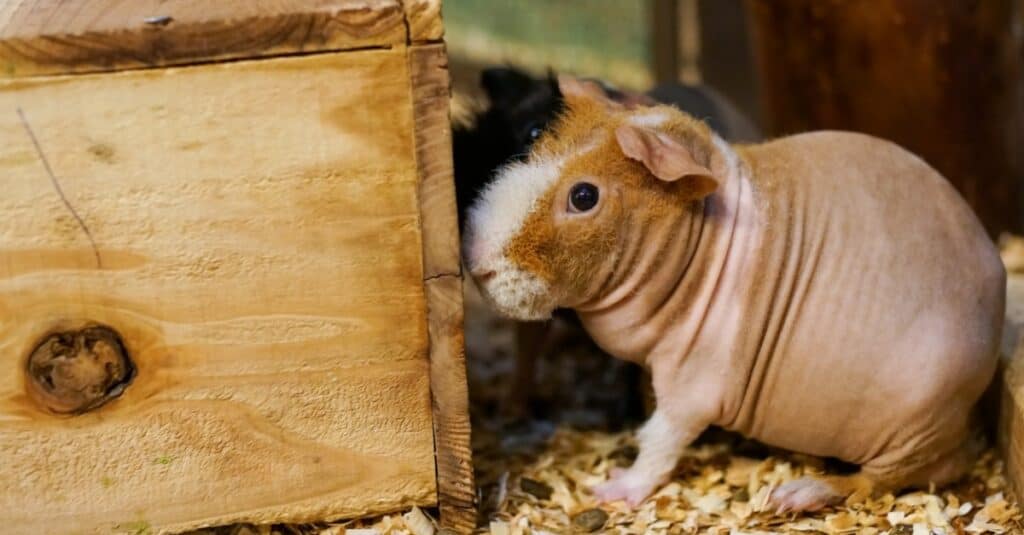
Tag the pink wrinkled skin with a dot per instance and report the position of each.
(835, 296)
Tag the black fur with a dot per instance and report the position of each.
(501, 134)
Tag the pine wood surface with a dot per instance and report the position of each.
(1011, 412)
(442, 271)
(40, 37)
(251, 232)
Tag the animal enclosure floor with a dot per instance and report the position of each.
(534, 475)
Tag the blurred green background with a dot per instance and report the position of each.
(605, 38)
(631, 43)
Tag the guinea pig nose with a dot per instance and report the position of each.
(484, 275)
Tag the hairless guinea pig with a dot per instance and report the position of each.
(521, 108)
(828, 293)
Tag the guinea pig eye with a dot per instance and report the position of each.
(582, 197)
(532, 131)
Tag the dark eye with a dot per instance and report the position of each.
(533, 131)
(582, 197)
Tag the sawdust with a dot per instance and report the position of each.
(717, 489)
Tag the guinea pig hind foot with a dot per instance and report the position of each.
(814, 493)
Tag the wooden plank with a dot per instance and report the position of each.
(1011, 411)
(428, 67)
(253, 237)
(726, 58)
(455, 482)
(665, 45)
(443, 280)
(943, 78)
(689, 41)
(51, 36)
(424, 19)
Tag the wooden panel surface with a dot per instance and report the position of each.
(1011, 411)
(424, 19)
(943, 78)
(63, 36)
(428, 67)
(251, 231)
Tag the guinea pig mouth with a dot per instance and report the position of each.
(517, 294)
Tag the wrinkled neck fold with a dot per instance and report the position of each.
(668, 269)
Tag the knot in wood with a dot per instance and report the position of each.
(72, 372)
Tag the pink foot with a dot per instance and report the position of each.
(804, 494)
(625, 485)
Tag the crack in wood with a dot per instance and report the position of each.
(441, 275)
(56, 186)
(405, 22)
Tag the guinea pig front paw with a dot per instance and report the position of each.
(626, 485)
(804, 494)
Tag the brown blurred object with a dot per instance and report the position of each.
(1011, 248)
(726, 59)
(665, 50)
(943, 78)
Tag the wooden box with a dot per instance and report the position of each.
(229, 275)
(1011, 386)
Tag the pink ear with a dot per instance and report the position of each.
(665, 158)
(571, 86)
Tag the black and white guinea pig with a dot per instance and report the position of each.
(521, 107)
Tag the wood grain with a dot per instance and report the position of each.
(257, 247)
(73, 36)
(665, 51)
(428, 67)
(1011, 411)
(424, 19)
(443, 279)
(943, 78)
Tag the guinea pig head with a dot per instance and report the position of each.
(560, 229)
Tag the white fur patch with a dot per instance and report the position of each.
(516, 293)
(493, 221)
(651, 119)
(503, 206)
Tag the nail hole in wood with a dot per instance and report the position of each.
(159, 20)
(72, 372)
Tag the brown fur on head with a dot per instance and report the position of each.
(536, 240)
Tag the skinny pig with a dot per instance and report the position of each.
(828, 293)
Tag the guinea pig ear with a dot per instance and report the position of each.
(571, 86)
(553, 83)
(665, 158)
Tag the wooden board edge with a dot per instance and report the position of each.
(428, 67)
(1010, 430)
(424, 20)
(428, 71)
(166, 38)
(454, 457)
